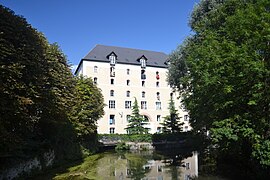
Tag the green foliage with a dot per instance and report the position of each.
(88, 108)
(136, 121)
(41, 101)
(122, 146)
(22, 68)
(222, 73)
(126, 137)
(36, 90)
(172, 122)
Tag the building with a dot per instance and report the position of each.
(124, 74)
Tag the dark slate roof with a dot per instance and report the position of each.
(126, 56)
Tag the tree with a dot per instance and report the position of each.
(136, 121)
(87, 109)
(36, 90)
(222, 72)
(22, 69)
(172, 122)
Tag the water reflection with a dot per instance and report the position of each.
(147, 165)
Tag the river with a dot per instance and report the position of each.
(137, 165)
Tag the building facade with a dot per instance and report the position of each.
(124, 74)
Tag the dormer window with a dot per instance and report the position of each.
(143, 63)
(143, 60)
(112, 58)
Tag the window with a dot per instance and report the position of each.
(112, 93)
(128, 104)
(158, 96)
(112, 119)
(187, 166)
(95, 80)
(143, 76)
(171, 94)
(112, 81)
(111, 104)
(186, 128)
(112, 72)
(112, 59)
(159, 130)
(186, 118)
(112, 130)
(158, 105)
(157, 75)
(143, 83)
(95, 69)
(128, 71)
(128, 93)
(143, 105)
(158, 117)
(157, 84)
(143, 94)
(128, 82)
(128, 118)
(187, 177)
(143, 62)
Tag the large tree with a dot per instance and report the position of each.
(23, 67)
(172, 122)
(136, 121)
(223, 73)
(87, 110)
(36, 90)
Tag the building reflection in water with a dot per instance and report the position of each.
(147, 166)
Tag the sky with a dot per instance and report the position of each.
(78, 25)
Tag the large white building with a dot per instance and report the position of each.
(124, 74)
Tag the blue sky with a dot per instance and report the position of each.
(78, 25)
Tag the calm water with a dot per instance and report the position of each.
(144, 165)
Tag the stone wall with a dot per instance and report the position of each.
(35, 164)
(140, 146)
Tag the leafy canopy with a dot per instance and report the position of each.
(222, 72)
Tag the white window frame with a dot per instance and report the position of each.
(143, 62)
(112, 120)
(127, 104)
(112, 59)
(143, 94)
(158, 105)
(95, 69)
(112, 104)
(95, 80)
(112, 93)
(112, 81)
(143, 104)
(186, 118)
(112, 130)
(128, 93)
(158, 118)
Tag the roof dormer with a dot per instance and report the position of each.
(112, 57)
(142, 60)
(167, 62)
